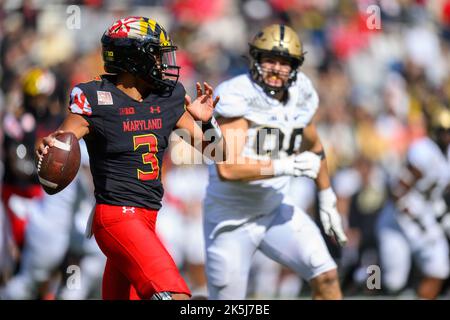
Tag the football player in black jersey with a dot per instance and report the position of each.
(23, 127)
(126, 118)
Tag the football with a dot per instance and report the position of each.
(60, 165)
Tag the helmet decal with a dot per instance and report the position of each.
(135, 28)
(141, 46)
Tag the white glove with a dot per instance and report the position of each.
(330, 217)
(304, 164)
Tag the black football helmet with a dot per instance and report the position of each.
(142, 47)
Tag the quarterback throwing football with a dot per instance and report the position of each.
(126, 118)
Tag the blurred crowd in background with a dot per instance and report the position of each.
(373, 83)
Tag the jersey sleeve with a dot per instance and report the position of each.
(81, 103)
(232, 103)
(308, 100)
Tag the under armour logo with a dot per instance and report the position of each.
(155, 109)
(128, 209)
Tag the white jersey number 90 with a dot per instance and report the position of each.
(271, 141)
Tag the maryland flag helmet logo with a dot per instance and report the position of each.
(142, 47)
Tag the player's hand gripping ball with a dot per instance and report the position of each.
(59, 166)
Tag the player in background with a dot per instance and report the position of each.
(180, 222)
(440, 120)
(267, 119)
(52, 232)
(408, 225)
(30, 117)
(126, 118)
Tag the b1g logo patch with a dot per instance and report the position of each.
(104, 98)
(126, 111)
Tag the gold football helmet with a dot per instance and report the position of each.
(439, 126)
(276, 40)
(38, 81)
(440, 119)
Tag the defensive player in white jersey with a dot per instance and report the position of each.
(267, 115)
(409, 226)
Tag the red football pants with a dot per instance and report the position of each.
(137, 263)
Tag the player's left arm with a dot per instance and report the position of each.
(330, 217)
(202, 128)
(311, 142)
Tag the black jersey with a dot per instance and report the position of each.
(127, 140)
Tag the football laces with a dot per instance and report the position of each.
(40, 160)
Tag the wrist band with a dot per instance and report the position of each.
(321, 154)
(278, 167)
(327, 195)
(212, 125)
